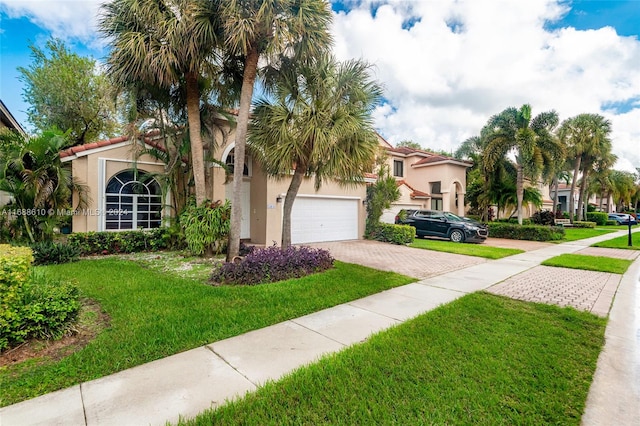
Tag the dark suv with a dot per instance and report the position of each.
(433, 223)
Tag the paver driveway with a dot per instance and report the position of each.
(413, 262)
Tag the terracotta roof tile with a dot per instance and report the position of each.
(113, 141)
(414, 192)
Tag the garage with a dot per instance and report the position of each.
(317, 219)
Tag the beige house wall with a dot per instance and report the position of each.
(452, 184)
(94, 170)
(451, 177)
(266, 211)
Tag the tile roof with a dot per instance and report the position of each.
(75, 150)
(428, 157)
(414, 192)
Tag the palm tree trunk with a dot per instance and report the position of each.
(195, 136)
(294, 186)
(556, 185)
(582, 196)
(573, 188)
(519, 190)
(246, 93)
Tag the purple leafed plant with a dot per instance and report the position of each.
(273, 264)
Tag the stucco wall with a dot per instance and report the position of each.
(94, 170)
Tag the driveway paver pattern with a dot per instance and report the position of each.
(584, 290)
(610, 252)
(413, 262)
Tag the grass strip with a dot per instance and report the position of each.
(622, 242)
(478, 250)
(590, 263)
(574, 234)
(154, 315)
(481, 359)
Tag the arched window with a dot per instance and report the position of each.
(229, 161)
(133, 201)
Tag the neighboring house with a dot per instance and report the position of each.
(426, 180)
(107, 168)
(564, 198)
(8, 121)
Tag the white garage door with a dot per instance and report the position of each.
(324, 219)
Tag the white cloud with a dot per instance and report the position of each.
(456, 65)
(462, 61)
(66, 19)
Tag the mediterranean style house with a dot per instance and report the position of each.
(110, 171)
(426, 180)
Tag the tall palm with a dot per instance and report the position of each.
(318, 124)
(531, 139)
(586, 137)
(165, 43)
(255, 29)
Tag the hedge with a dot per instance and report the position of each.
(582, 224)
(598, 217)
(389, 233)
(526, 232)
(120, 242)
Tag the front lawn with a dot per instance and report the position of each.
(154, 314)
(478, 250)
(590, 263)
(482, 359)
(622, 242)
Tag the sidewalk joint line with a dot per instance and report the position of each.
(229, 364)
(84, 408)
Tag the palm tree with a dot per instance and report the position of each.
(32, 173)
(531, 139)
(319, 124)
(585, 136)
(623, 187)
(165, 43)
(254, 29)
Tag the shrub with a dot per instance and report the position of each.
(120, 242)
(206, 226)
(526, 232)
(31, 304)
(611, 223)
(15, 263)
(49, 252)
(273, 264)
(543, 217)
(579, 224)
(388, 233)
(598, 217)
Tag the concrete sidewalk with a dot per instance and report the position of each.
(187, 383)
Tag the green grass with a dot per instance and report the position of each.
(482, 359)
(478, 250)
(573, 234)
(590, 263)
(622, 242)
(155, 314)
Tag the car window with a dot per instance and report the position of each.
(452, 217)
(422, 214)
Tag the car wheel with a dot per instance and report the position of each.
(456, 236)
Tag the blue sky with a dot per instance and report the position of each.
(446, 66)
